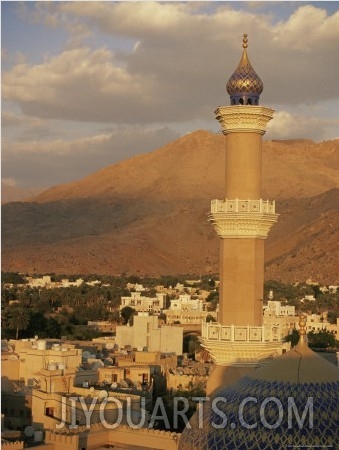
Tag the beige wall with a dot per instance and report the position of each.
(10, 372)
(241, 281)
(175, 381)
(286, 323)
(13, 445)
(185, 317)
(135, 373)
(32, 360)
(146, 333)
(56, 380)
(48, 408)
(171, 339)
(243, 166)
(123, 436)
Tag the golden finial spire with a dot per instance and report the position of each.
(302, 328)
(244, 86)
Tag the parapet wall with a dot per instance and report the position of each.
(18, 445)
(122, 435)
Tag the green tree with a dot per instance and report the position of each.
(210, 318)
(213, 300)
(127, 314)
(332, 316)
(12, 277)
(322, 339)
(18, 319)
(191, 344)
(293, 338)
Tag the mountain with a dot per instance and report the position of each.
(148, 215)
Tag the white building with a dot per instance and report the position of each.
(186, 310)
(44, 281)
(186, 303)
(316, 323)
(276, 309)
(152, 305)
(145, 334)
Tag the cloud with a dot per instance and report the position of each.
(9, 182)
(175, 71)
(11, 119)
(81, 84)
(289, 126)
(132, 73)
(308, 29)
(60, 161)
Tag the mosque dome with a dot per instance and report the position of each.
(244, 86)
(292, 402)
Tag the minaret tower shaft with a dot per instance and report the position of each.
(242, 220)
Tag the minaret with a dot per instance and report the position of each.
(242, 221)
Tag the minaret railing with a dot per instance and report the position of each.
(241, 333)
(239, 205)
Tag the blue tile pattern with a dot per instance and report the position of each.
(272, 431)
(244, 86)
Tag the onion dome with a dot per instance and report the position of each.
(292, 402)
(244, 86)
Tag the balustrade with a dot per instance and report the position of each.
(235, 333)
(238, 205)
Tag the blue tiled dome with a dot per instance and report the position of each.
(263, 409)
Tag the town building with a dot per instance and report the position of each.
(187, 310)
(141, 303)
(146, 334)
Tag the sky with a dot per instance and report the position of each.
(87, 84)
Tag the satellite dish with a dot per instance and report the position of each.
(29, 431)
(92, 389)
(114, 385)
(36, 337)
(103, 395)
(109, 346)
(97, 364)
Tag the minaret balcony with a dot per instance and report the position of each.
(242, 345)
(243, 118)
(236, 218)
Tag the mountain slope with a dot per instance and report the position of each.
(147, 215)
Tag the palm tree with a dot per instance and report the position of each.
(18, 319)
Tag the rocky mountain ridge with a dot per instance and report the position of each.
(147, 215)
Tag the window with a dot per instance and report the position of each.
(49, 412)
